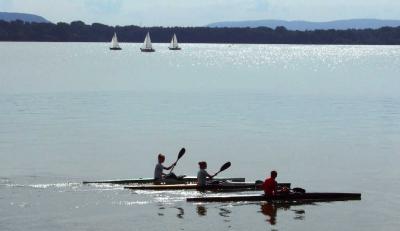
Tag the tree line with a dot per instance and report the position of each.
(78, 31)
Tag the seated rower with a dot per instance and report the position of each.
(270, 185)
(203, 174)
(158, 171)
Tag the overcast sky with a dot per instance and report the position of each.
(201, 12)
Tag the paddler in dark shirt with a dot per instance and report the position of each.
(158, 171)
(270, 185)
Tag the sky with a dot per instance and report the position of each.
(200, 12)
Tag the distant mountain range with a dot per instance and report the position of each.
(6, 16)
(306, 25)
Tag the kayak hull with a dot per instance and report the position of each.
(282, 197)
(223, 186)
(187, 179)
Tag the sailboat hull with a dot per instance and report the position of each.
(115, 48)
(175, 48)
(147, 50)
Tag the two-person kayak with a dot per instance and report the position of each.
(212, 186)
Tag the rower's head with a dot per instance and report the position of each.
(203, 165)
(161, 158)
(274, 174)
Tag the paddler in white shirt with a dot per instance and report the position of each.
(158, 171)
(202, 174)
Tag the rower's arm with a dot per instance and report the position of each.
(168, 168)
(275, 187)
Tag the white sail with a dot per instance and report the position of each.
(174, 42)
(114, 41)
(147, 42)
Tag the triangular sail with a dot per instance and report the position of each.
(174, 42)
(147, 42)
(114, 41)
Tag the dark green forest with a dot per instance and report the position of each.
(80, 32)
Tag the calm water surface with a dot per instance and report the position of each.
(326, 117)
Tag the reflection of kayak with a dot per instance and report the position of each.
(282, 197)
(187, 179)
(220, 186)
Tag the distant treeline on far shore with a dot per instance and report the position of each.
(80, 32)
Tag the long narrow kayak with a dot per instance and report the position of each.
(282, 197)
(242, 186)
(187, 179)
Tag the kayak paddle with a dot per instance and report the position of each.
(223, 168)
(180, 154)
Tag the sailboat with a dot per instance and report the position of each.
(114, 43)
(174, 44)
(147, 47)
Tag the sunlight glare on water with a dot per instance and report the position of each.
(326, 117)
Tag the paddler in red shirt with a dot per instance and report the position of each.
(270, 185)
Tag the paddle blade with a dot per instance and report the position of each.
(225, 166)
(181, 153)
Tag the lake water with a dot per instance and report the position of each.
(326, 117)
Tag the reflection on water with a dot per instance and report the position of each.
(224, 212)
(181, 212)
(300, 214)
(270, 210)
(161, 212)
(201, 210)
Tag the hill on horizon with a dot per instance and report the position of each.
(9, 16)
(308, 25)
